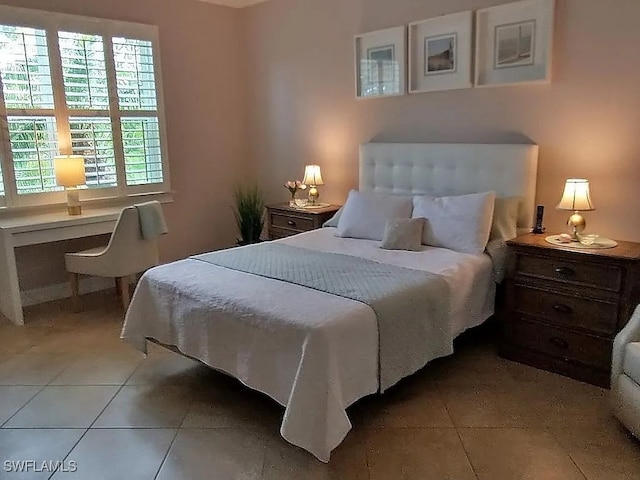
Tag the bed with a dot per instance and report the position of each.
(312, 351)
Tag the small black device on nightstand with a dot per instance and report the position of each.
(538, 228)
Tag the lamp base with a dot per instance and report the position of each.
(576, 224)
(73, 201)
(313, 195)
(74, 209)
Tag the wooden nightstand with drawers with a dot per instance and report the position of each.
(564, 305)
(284, 221)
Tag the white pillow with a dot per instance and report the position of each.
(365, 214)
(333, 221)
(461, 223)
(505, 218)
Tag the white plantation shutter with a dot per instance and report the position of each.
(134, 74)
(24, 68)
(142, 151)
(84, 71)
(28, 99)
(75, 85)
(34, 143)
(93, 138)
(137, 96)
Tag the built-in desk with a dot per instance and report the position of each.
(37, 229)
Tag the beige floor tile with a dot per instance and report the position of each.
(163, 367)
(17, 339)
(63, 407)
(108, 454)
(284, 461)
(49, 445)
(570, 404)
(233, 408)
(223, 454)
(99, 369)
(472, 366)
(87, 339)
(146, 407)
(13, 398)
(511, 453)
(408, 408)
(488, 406)
(31, 369)
(603, 453)
(421, 454)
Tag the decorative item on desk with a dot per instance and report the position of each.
(576, 198)
(69, 170)
(313, 179)
(293, 186)
(588, 239)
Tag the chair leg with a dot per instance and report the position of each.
(123, 282)
(118, 290)
(75, 292)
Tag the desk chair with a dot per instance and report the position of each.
(132, 248)
(625, 375)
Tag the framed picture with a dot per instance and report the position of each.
(440, 53)
(514, 43)
(380, 60)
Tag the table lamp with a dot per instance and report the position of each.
(69, 174)
(313, 179)
(576, 198)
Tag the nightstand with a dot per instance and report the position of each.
(564, 306)
(285, 221)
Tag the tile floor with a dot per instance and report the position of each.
(71, 390)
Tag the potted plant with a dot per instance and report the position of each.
(249, 213)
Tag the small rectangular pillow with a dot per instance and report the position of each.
(365, 214)
(403, 234)
(461, 223)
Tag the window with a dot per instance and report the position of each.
(74, 85)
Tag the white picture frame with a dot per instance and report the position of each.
(440, 53)
(381, 63)
(514, 43)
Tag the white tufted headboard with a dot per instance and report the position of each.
(440, 169)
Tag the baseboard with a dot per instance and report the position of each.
(63, 290)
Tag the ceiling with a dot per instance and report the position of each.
(234, 3)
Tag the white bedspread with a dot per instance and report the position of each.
(313, 352)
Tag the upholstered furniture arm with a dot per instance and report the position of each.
(630, 333)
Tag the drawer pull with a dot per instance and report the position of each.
(559, 342)
(564, 309)
(566, 271)
(291, 223)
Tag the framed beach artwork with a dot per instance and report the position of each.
(514, 43)
(440, 53)
(380, 61)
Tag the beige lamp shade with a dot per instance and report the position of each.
(576, 196)
(69, 170)
(312, 175)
